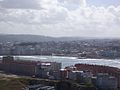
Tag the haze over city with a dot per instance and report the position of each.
(61, 18)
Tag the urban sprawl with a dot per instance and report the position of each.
(77, 77)
(90, 48)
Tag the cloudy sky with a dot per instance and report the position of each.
(84, 18)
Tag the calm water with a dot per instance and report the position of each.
(67, 61)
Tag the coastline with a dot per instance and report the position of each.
(67, 61)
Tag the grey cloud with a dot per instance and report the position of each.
(20, 4)
(57, 19)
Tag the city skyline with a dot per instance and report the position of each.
(61, 18)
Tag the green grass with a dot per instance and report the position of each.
(12, 84)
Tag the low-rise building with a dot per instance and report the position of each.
(81, 76)
(104, 81)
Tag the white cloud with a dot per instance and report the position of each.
(59, 18)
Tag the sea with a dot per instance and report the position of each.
(69, 61)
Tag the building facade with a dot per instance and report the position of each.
(29, 68)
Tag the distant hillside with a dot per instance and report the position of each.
(33, 38)
(24, 38)
(36, 38)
